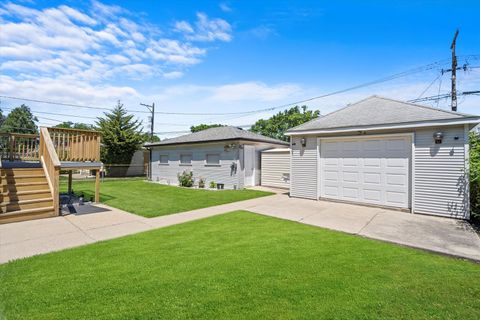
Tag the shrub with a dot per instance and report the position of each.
(186, 179)
(475, 176)
(201, 182)
(212, 184)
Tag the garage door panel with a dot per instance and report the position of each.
(396, 179)
(331, 175)
(372, 177)
(372, 195)
(331, 191)
(367, 170)
(372, 162)
(350, 193)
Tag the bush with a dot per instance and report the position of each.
(475, 176)
(212, 184)
(186, 179)
(201, 182)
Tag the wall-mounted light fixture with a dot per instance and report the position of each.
(438, 137)
(303, 141)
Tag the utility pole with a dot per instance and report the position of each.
(454, 72)
(151, 108)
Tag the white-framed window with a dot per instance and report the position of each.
(186, 159)
(212, 159)
(163, 159)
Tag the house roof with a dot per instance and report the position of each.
(217, 134)
(378, 111)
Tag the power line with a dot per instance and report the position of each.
(384, 79)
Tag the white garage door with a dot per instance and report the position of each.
(368, 170)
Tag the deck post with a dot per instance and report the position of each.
(70, 172)
(97, 186)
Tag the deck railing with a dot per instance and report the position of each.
(76, 145)
(19, 146)
(51, 165)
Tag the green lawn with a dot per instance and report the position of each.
(152, 199)
(240, 266)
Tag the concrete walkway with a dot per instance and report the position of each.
(447, 236)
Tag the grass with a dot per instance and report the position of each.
(153, 199)
(240, 266)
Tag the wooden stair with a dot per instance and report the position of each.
(24, 195)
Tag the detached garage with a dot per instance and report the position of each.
(276, 168)
(388, 153)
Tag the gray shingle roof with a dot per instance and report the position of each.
(379, 111)
(218, 134)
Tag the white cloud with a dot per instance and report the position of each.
(173, 75)
(225, 7)
(77, 15)
(183, 26)
(68, 43)
(205, 29)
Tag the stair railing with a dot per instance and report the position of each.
(51, 166)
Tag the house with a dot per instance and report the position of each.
(384, 152)
(228, 156)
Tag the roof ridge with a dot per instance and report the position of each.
(426, 107)
(330, 113)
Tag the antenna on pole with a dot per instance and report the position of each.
(454, 72)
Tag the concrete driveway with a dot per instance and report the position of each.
(446, 236)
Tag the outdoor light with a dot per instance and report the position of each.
(303, 141)
(438, 136)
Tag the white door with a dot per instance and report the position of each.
(249, 163)
(368, 170)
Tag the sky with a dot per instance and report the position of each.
(211, 57)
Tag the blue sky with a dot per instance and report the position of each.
(228, 56)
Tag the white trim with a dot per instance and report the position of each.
(412, 175)
(384, 127)
(319, 168)
(411, 171)
(291, 164)
(467, 170)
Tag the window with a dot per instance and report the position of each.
(186, 159)
(213, 159)
(163, 159)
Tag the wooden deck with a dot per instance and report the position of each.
(30, 170)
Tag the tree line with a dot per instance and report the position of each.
(122, 134)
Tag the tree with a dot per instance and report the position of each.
(2, 118)
(276, 125)
(121, 137)
(475, 175)
(149, 138)
(76, 125)
(20, 120)
(203, 126)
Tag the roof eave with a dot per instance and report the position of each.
(433, 123)
(213, 141)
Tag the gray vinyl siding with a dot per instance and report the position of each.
(276, 169)
(303, 179)
(439, 173)
(167, 174)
